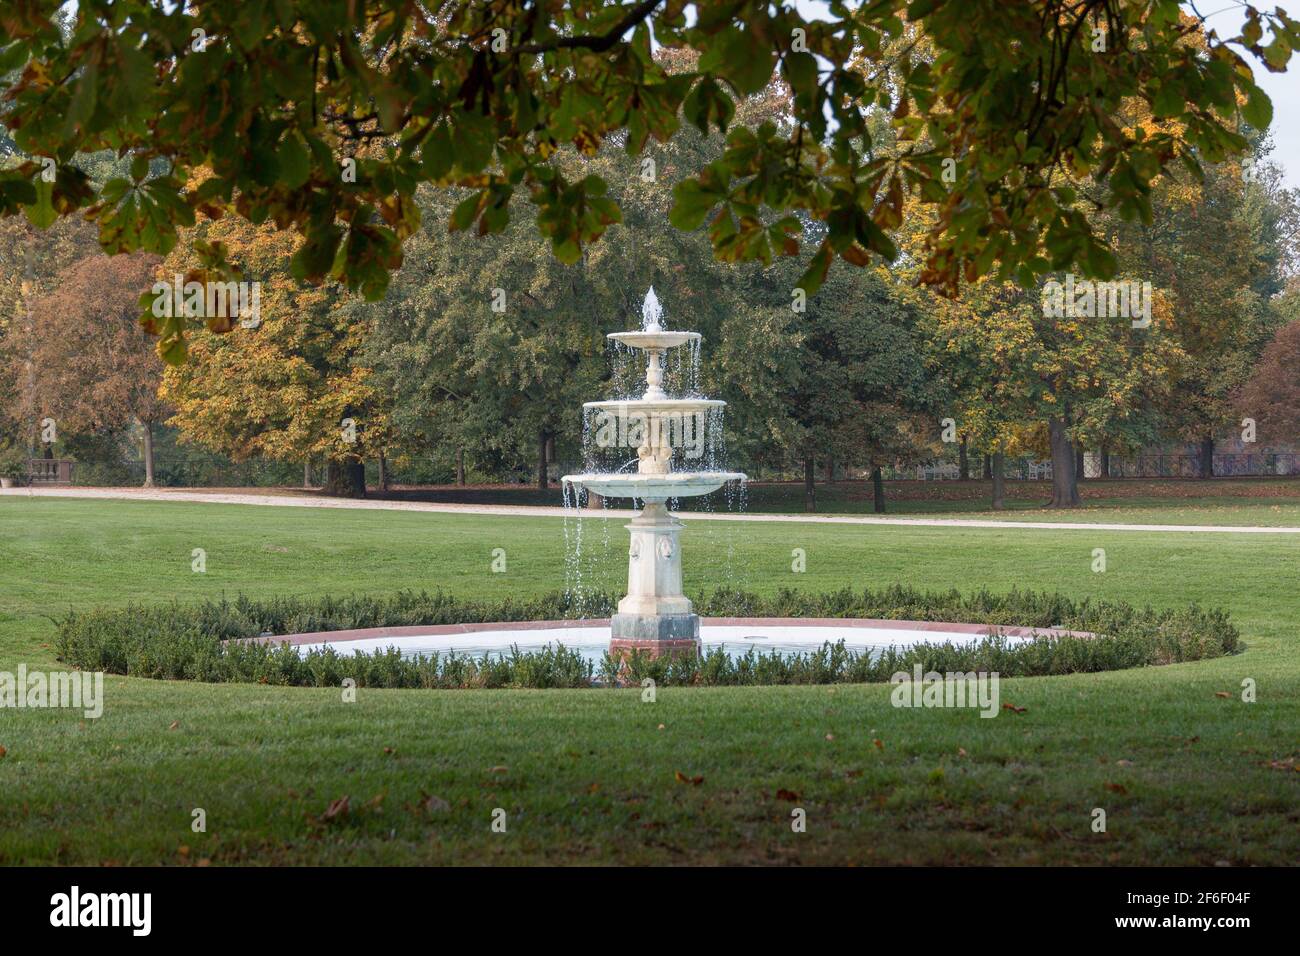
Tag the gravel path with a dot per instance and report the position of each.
(532, 511)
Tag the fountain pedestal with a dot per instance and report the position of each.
(655, 618)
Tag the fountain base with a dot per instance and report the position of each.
(654, 635)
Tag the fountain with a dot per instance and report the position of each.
(654, 617)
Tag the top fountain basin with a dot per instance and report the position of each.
(654, 339)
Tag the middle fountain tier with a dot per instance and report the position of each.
(655, 617)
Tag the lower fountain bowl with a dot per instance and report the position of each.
(677, 484)
(592, 638)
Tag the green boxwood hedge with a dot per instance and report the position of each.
(201, 641)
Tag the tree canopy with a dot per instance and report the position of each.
(324, 116)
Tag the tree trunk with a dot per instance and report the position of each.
(1105, 463)
(996, 466)
(1207, 456)
(809, 488)
(963, 463)
(542, 482)
(345, 478)
(383, 474)
(1065, 489)
(148, 454)
(460, 466)
(1079, 473)
(306, 473)
(357, 478)
(877, 491)
(830, 469)
(988, 467)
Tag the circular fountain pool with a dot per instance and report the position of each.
(737, 636)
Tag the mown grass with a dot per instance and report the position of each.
(1248, 502)
(1185, 775)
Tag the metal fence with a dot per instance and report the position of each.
(1139, 466)
(1189, 466)
(207, 473)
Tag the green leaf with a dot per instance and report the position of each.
(801, 71)
(472, 138)
(294, 160)
(742, 58)
(41, 214)
(815, 274)
(13, 56)
(691, 205)
(921, 8)
(1258, 108)
(435, 154)
(1168, 101)
(466, 211)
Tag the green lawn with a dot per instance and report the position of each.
(589, 776)
(1266, 502)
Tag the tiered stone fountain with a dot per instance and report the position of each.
(655, 617)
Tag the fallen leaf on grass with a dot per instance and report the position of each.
(2, 753)
(498, 769)
(830, 736)
(436, 805)
(1014, 708)
(879, 744)
(337, 809)
(174, 725)
(682, 778)
(1222, 693)
(961, 751)
(1116, 788)
(1123, 763)
(183, 851)
(784, 794)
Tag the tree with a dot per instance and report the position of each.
(1272, 395)
(490, 347)
(30, 263)
(1013, 365)
(97, 369)
(977, 349)
(276, 100)
(1202, 250)
(286, 384)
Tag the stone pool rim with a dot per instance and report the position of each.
(436, 630)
